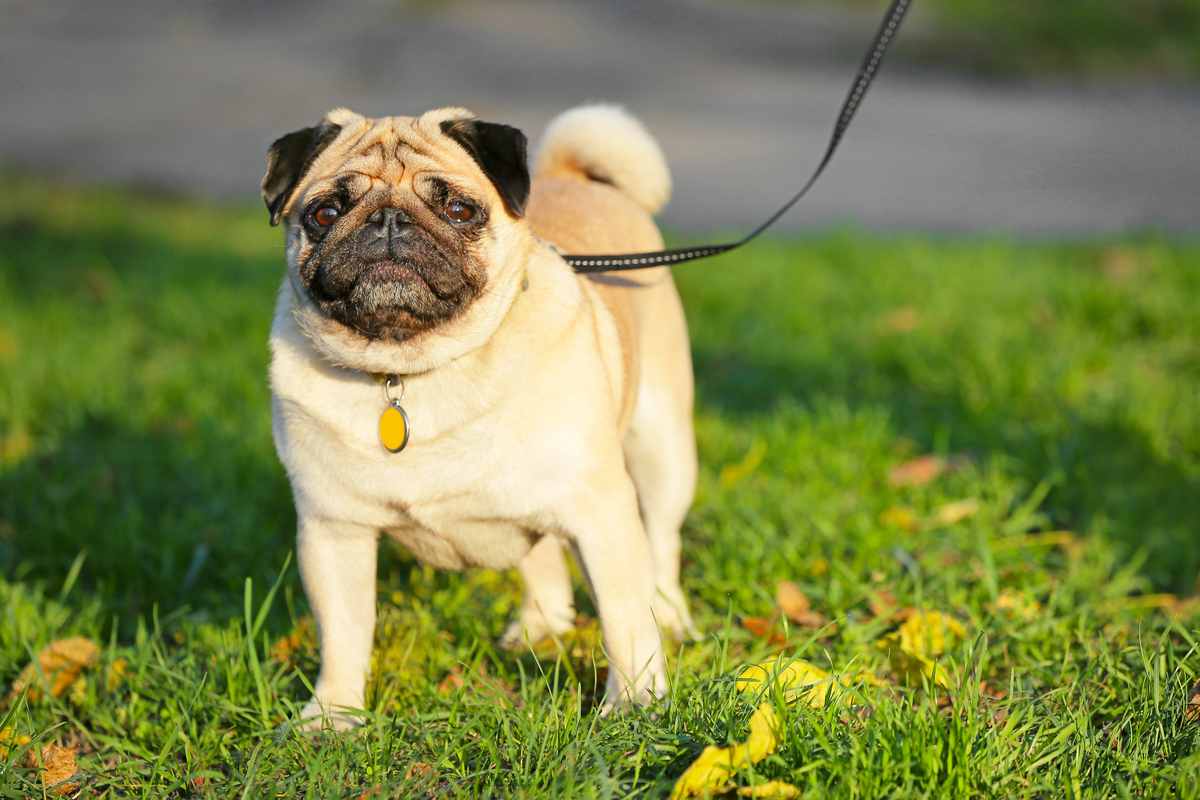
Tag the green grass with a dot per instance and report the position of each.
(1156, 39)
(1091, 39)
(1062, 380)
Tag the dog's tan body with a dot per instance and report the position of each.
(558, 414)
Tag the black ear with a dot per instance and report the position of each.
(499, 150)
(288, 159)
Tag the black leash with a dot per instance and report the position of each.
(866, 73)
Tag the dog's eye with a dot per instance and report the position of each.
(325, 216)
(459, 211)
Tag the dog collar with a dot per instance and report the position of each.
(393, 422)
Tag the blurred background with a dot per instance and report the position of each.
(1030, 116)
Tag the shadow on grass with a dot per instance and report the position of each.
(1107, 477)
(172, 516)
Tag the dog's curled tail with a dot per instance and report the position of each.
(604, 143)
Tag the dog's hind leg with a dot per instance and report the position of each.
(660, 445)
(660, 454)
(549, 605)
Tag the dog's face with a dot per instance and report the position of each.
(397, 227)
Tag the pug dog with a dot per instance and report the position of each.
(439, 374)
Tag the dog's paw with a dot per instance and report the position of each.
(673, 618)
(623, 699)
(315, 718)
(533, 628)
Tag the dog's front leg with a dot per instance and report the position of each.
(337, 566)
(612, 548)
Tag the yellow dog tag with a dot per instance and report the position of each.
(393, 427)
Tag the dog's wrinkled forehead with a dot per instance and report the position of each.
(388, 149)
(382, 150)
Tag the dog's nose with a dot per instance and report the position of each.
(389, 219)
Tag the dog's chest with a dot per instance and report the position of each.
(475, 496)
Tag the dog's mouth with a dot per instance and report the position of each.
(391, 298)
(390, 271)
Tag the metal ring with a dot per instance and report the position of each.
(387, 384)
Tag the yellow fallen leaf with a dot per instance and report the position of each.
(734, 472)
(1141, 602)
(957, 511)
(764, 734)
(1063, 539)
(797, 679)
(779, 790)
(715, 765)
(8, 346)
(116, 674)
(901, 517)
(9, 740)
(794, 677)
(914, 647)
(15, 445)
(60, 663)
(1016, 604)
(57, 764)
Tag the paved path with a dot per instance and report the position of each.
(189, 95)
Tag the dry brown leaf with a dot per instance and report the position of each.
(1192, 712)
(417, 771)
(905, 319)
(1119, 264)
(790, 599)
(882, 603)
(57, 765)
(759, 626)
(763, 628)
(1184, 609)
(796, 606)
(60, 662)
(918, 471)
(451, 682)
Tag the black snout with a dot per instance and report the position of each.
(388, 218)
(388, 233)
